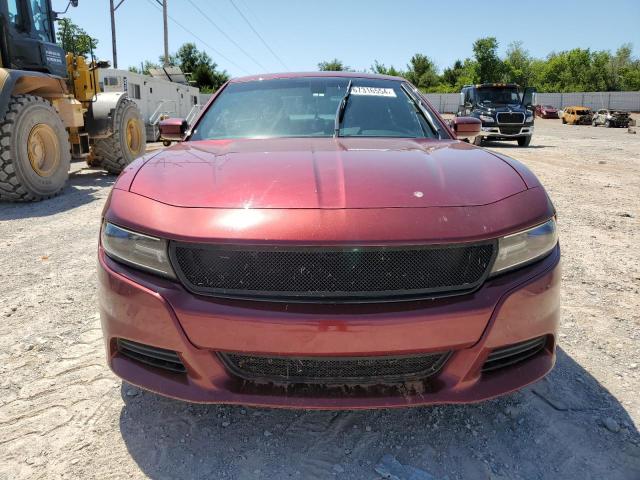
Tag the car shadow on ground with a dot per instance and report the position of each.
(556, 428)
(81, 188)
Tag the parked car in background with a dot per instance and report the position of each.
(326, 240)
(546, 111)
(611, 118)
(576, 116)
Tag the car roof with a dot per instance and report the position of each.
(271, 76)
(578, 107)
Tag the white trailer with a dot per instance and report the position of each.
(156, 97)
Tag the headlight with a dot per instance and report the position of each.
(487, 118)
(135, 249)
(524, 247)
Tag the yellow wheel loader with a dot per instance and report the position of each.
(52, 110)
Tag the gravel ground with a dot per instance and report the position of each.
(63, 414)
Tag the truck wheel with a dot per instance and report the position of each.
(524, 141)
(34, 150)
(128, 141)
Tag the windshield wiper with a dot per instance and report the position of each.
(341, 108)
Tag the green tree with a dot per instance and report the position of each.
(201, 70)
(451, 75)
(74, 39)
(334, 65)
(381, 69)
(422, 72)
(199, 66)
(489, 67)
(517, 65)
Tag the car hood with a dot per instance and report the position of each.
(331, 173)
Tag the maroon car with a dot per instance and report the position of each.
(324, 240)
(546, 111)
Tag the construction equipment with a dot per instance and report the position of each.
(52, 109)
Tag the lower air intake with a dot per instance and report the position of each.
(334, 370)
(154, 356)
(512, 354)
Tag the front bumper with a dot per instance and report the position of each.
(506, 131)
(511, 308)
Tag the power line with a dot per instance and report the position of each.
(258, 35)
(202, 41)
(227, 36)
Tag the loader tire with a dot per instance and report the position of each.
(34, 150)
(126, 144)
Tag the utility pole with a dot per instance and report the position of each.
(166, 33)
(113, 33)
(113, 9)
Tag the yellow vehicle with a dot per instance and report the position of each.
(576, 116)
(51, 109)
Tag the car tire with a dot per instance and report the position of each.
(607, 124)
(524, 141)
(564, 122)
(594, 123)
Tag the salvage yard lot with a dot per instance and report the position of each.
(63, 414)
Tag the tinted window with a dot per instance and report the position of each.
(498, 96)
(14, 12)
(134, 91)
(40, 12)
(306, 107)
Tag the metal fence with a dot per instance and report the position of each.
(626, 101)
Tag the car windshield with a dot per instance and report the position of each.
(307, 107)
(498, 96)
(582, 112)
(549, 107)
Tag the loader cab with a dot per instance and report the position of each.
(27, 37)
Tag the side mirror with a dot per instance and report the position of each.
(466, 127)
(529, 97)
(173, 129)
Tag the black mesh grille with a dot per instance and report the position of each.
(289, 273)
(510, 130)
(510, 117)
(363, 370)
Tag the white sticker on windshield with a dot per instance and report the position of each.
(373, 91)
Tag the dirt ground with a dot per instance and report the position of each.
(63, 414)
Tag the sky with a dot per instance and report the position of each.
(299, 34)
